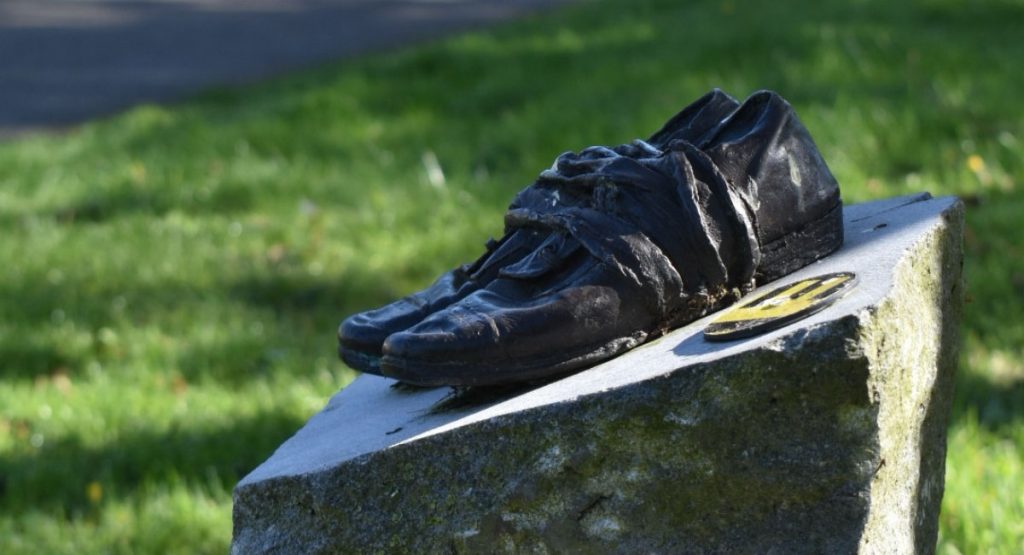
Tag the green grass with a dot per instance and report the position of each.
(174, 275)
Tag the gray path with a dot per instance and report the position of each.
(65, 61)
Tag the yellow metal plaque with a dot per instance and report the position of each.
(780, 306)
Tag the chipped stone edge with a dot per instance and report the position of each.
(906, 491)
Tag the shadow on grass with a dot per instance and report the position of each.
(293, 294)
(20, 359)
(56, 477)
(998, 406)
(224, 199)
(59, 328)
(296, 314)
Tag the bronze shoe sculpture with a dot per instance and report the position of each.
(361, 336)
(664, 234)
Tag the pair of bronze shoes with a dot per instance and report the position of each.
(613, 246)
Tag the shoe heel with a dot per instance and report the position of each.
(799, 248)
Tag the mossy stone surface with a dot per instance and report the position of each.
(825, 436)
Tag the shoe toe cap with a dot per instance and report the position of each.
(433, 338)
(486, 329)
(366, 331)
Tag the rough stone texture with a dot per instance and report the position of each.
(827, 436)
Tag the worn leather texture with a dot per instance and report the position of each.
(633, 240)
(523, 249)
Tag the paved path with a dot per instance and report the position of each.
(65, 61)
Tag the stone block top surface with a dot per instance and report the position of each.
(370, 415)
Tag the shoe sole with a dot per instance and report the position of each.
(427, 373)
(781, 257)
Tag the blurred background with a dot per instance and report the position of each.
(66, 61)
(194, 193)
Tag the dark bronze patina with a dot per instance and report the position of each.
(361, 336)
(613, 246)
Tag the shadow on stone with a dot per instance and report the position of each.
(465, 398)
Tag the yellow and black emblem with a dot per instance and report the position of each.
(779, 307)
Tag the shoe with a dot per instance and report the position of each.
(666, 237)
(361, 336)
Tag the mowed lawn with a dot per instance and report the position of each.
(173, 277)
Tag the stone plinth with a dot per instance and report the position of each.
(826, 436)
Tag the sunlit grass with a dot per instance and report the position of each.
(173, 276)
